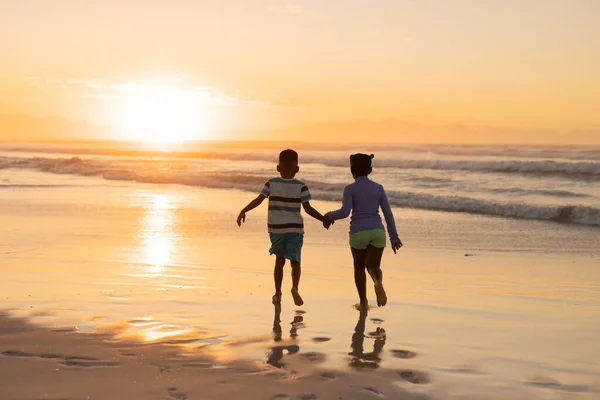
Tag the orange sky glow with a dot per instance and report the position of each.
(386, 70)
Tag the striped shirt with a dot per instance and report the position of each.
(285, 197)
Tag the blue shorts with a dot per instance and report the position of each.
(287, 245)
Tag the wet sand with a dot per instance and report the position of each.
(43, 363)
(154, 288)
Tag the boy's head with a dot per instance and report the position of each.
(288, 164)
(360, 164)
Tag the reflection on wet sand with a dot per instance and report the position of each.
(158, 235)
(276, 354)
(361, 360)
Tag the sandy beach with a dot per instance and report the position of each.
(65, 364)
(119, 290)
(136, 135)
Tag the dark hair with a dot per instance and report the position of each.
(360, 164)
(288, 157)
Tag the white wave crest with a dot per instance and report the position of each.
(322, 190)
(545, 163)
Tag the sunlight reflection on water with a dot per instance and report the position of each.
(158, 234)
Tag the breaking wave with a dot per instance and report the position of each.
(128, 171)
(546, 161)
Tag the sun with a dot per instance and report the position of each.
(161, 114)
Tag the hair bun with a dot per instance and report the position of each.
(372, 156)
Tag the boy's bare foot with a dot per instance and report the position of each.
(297, 298)
(362, 306)
(277, 298)
(381, 296)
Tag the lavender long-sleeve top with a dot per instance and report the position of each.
(363, 198)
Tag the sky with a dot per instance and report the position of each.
(457, 70)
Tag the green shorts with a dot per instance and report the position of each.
(373, 237)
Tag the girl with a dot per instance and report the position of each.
(367, 236)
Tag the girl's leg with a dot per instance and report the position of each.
(278, 276)
(360, 277)
(373, 258)
(373, 262)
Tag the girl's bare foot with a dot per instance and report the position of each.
(381, 296)
(277, 298)
(362, 306)
(297, 298)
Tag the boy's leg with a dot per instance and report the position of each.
(360, 277)
(296, 272)
(278, 276)
(373, 263)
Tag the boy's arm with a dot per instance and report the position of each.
(313, 213)
(305, 200)
(251, 206)
(389, 221)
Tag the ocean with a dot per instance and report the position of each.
(559, 184)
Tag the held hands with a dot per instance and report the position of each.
(397, 245)
(241, 218)
(327, 223)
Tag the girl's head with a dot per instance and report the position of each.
(360, 164)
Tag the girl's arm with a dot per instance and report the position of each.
(389, 220)
(346, 207)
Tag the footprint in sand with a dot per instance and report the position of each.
(374, 391)
(280, 397)
(549, 383)
(87, 364)
(463, 369)
(128, 354)
(175, 394)
(81, 361)
(314, 357)
(64, 330)
(377, 321)
(81, 358)
(309, 396)
(17, 353)
(49, 356)
(415, 377)
(203, 365)
(328, 376)
(321, 339)
(403, 354)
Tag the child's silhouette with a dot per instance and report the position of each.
(286, 225)
(364, 198)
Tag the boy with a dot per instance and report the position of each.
(286, 227)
